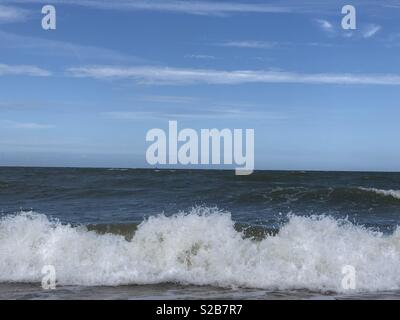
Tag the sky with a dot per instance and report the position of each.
(318, 97)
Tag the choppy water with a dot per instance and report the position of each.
(189, 234)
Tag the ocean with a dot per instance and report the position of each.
(198, 234)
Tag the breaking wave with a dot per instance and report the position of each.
(201, 247)
(389, 193)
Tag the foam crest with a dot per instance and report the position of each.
(390, 193)
(201, 247)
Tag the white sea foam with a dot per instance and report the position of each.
(202, 248)
(390, 193)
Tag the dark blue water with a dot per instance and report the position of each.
(266, 197)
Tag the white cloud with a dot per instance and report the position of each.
(250, 44)
(188, 7)
(23, 70)
(181, 76)
(128, 115)
(371, 30)
(199, 56)
(368, 32)
(12, 14)
(24, 125)
(213, 112)
(348, 34)
(325, 25)
(16, 105)
(257, 44)
(39, 46)
(169, 99)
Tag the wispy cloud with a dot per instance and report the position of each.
(23, 70)
(16, 105)
(186, 107)
(24, 125)
(199, 56)
(325, 25)
(181, 76)
(12, 14)
(39, 46)
(250, 44)
(367, 32)
(371, 30)
(213, 112)
(169, 99)
(260, 44)
(189, 7)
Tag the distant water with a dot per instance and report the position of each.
(119, 233)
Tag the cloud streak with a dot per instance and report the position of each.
(24, 125)
(371, 31)
(213, 112)
(12, 14)
(199, 56)
(188, 7)
(168, 99)
(250, 44)
(181, 76)
(39, 46)
(325, 25)
(23, 70)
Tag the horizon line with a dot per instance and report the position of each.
(194, 169)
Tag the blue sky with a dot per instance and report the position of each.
(319, 97)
